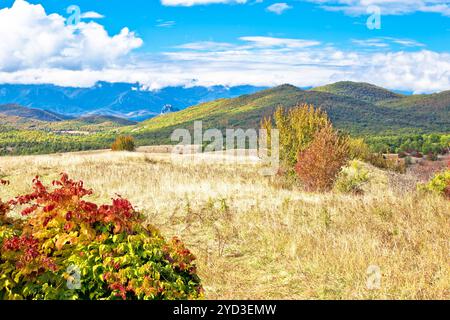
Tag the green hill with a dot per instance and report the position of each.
(361, 91)
(356, 116)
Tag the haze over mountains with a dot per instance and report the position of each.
(123, 100)
(14, 116)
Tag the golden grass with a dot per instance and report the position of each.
(255, 240)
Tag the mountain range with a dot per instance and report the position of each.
(358, 108)
(14, 116)
(123, 100)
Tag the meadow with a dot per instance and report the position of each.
(256, 238)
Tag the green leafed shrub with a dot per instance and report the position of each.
(68, 248)
(439, 184)
(124, 143)
(358, 149)
(352, 178)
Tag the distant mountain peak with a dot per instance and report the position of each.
(286, 86)
(168, 108)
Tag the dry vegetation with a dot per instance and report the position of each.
(256, 240)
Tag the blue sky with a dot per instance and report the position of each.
(259, 42)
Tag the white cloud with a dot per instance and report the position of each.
(189, 3)
(387, 42)
(92, 15)
(279, 42)
(206, 45)
(250, 42)
(388, 7)
(279, 7)
(32, 38)
(165, 24)
(420, 71)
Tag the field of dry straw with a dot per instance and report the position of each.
(255, 240)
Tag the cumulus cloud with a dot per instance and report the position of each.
(190, 3)
(279, 7)
(32, 38)
(388, 7)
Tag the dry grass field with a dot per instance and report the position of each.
(255, 239)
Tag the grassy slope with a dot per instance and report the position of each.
(256, 240)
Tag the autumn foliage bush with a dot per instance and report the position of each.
(297, 127)
(311, 151)
(319, 165)
(124, 143)
(65, 247)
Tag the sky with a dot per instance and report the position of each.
(398, 44)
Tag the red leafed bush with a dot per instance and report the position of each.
(4, 207)
(69, 248)
(318, 166)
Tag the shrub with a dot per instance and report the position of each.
(358, 149)
(319, 165)
(124, 143)
(68, 248)
(4, 207)
(352, 178)
(416, 154)
(432, 156)
(408, 161)
(402, 155)
(380, 161)
(297, 127)
(439, 184)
